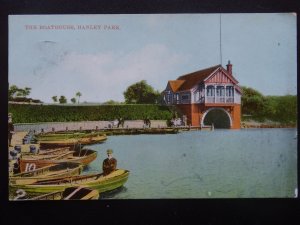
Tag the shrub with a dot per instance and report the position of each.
(63, 113)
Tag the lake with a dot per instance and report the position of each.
(247, 163)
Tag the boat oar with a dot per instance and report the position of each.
(73, 193)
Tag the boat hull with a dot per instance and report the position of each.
(58, 171)
(82, 159)
(73, 193)
(71, 142)
(104, 183)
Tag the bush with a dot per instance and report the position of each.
(64, 113)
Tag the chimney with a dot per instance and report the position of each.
(229, 67)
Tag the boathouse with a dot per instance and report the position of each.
(207, 97)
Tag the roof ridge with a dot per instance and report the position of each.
(209, 68)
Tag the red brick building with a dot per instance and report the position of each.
(206, 97)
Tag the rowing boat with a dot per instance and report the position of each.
(84, 157)
(50, 151)
(71, 142)
(50, 172)
(64, 154)
(91, 140)
(65, 135)
(97, 182)
(71, 193)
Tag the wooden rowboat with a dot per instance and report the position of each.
(97, 182)
(58, 171)
(50, 151)
(65, 135)
(64, 154)
(84, 157)
(91, 140)
(71, 193)
(71, 142)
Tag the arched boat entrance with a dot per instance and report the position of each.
(219, 117)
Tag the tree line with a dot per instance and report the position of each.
(63, 100)
(276, 108)
(253, 103)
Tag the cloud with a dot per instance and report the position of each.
(106, 75)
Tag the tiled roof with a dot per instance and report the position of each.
(189, 80)
(175, 84)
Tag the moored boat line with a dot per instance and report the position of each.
(51, 171)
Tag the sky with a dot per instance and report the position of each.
(101, 55)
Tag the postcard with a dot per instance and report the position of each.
(152, 106)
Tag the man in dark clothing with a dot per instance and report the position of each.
(10, 129)
(17, 166)
(109, 164)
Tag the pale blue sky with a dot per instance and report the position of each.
(157, 48)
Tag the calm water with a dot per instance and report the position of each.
(251, 163)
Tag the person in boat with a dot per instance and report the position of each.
(109, 164)
(17, 166)
(10, 129)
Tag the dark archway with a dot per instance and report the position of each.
(218, 117)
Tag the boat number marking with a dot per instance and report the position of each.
(30, 167)
(20, 194)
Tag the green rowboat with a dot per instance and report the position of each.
(97, 182)
(71, 193)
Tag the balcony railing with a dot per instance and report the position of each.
(219, 99)
(210, 99)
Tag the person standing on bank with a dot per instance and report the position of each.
(10, 129)
(109, 164)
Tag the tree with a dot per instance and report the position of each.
(54, 98)
(140, 93)
(78, 94)
(62, 100)
(12, 91)
(15, 91)
(112, 102)
(253, 102)
(73, 100)
(26, 91)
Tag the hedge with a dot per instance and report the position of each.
(25, 113)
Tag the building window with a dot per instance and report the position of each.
(220, 91)
(229, 91)
(175, 98)
(169, 97)
(184, 97)
(210, 90)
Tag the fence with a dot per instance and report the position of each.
(84, 125)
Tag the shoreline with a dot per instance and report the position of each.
(137, 125)
(256, 124)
